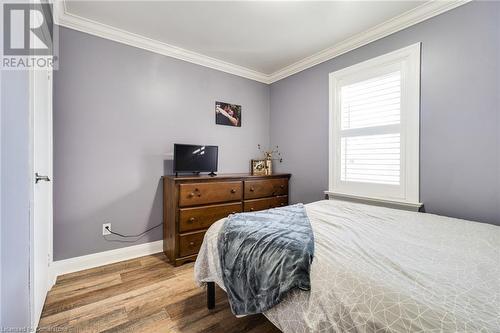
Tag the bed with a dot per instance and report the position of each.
(377, 269)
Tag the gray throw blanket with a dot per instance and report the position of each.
(264, 255)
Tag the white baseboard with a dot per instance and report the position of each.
(76, 264)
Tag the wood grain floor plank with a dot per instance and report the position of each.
(158, 321)
(82, 283)
(147, 289)
(141, 295)
(186, 303)
(154, 259)
(123, 266)
(162, 270)
(100, 323)
(75, 289)
(95, 296)
(93, 310)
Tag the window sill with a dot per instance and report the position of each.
(404, 205)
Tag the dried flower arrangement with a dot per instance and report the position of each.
(268, 154)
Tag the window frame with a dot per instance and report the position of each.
(407, 60)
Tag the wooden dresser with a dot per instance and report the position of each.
(192, 203)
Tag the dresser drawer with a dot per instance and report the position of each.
(265, 188)
(190, 243)
(267, 203)
(193, 194)
(193, 203)
(202, 217)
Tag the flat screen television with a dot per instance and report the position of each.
(195, 158)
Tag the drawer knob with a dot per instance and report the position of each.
(191, 195)
(191, 219)
(282, 186)
(233, 213)
(252, 209)
(282, 204)
(197, 190)
(233, 190)
(191, 243)
(252, 189)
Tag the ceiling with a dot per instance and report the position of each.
(261, 37)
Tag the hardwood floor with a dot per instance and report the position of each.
(140, 295)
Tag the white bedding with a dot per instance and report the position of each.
(384, 270)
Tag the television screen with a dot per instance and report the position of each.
(194, 158)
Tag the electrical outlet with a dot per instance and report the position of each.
(104, 231)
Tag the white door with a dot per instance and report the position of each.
(41, 251)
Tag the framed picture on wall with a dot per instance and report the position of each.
(227, 114)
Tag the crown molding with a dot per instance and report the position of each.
(403, 21)
(421, 13)
(63, 18)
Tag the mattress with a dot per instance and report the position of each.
(377, 269)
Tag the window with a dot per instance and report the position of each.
(374, 128)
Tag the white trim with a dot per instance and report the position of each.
(413, 206)
(419, 14)
(76, 264)
(408, 60)
(75, 22)
(403, 21)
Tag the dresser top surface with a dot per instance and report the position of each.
(223, 176)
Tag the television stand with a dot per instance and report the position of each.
(212, 174)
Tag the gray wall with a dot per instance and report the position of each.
(460, 107)
(119, 109)
(117, 112)
(15, 196)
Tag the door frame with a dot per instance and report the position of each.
(51, 277)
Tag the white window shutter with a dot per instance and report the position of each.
(374, 115)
